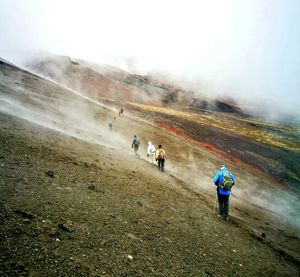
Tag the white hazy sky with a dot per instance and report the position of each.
(244, 48)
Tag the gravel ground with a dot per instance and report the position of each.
(73, 208)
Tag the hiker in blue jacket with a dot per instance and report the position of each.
(224, 180)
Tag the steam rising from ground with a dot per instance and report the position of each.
(281, 204)
(46, 103)
(253, 191)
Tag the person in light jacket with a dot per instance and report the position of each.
(151, 152)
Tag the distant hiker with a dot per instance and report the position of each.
(224, 180)
(160, 156)
(110, 125)
(151, 152)
(135, 145)
(121, 111)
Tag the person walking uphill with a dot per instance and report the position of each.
(135, 145)
(151, 152)
(224, 180)
(160, 156)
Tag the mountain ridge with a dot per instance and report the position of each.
(73, 190)
(140, 88)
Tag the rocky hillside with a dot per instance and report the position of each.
(76, 202)
(114, 83)
(71, 208)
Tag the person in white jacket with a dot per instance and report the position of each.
(151, 152)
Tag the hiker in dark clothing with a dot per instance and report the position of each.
(160, 156)
(110, 125)
(135, 145)
(224, 180)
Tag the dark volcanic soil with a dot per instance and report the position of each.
(72, 208)
(273, 161)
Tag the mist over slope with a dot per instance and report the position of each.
(271, 147)
(99, 191)
(100, 206)
(195, 143)
(157, 88)
(111, 82)
(262, 148)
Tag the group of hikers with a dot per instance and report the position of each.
(153, 155)
(223, 179)
(121, 113)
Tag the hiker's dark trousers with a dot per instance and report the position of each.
(136, 148)
(223, 204)
(161, 164)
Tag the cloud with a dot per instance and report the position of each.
(243, 49)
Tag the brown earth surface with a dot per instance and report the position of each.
(72, 208)
(272, 149)
(76, 202)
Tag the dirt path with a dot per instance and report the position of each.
(72, 208)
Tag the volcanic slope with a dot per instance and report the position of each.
(76, 202)
(271, 148)
(98, 80)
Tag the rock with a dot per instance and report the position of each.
(67, 227)
(140, 203)
(91, 187)
(131, 236)
(130, 258)
(263, 235)
(50, 173)
(25, 214)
